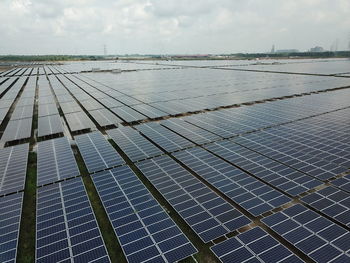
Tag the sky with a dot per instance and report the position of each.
(76, 27)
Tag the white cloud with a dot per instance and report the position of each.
(170, 26)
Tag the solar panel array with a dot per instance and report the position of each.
(316, 236)
(13, 168)
(247, 191)
(166, 139)
(144, 230)
(55, 161)
(254, 245)
(233, 173)
(66, 227)
(97, 153)
(133, 144)
(209, 215)
(10, 218)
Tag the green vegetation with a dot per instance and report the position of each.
(26, 246)
(47, 58)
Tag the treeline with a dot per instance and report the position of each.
(326, 54)
(47, 58)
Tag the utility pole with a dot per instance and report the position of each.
(104, 50)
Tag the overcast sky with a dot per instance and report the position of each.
(171, 26)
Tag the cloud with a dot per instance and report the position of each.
(170, 26)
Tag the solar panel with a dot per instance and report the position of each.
(307, 163)
(166, 139)
(97, 152)
(69, 107)
(66, 227)
(250, 193)
(10, 218)
(145, 231)
(317, 237)
(332, 202)
(55, 161)
(133, 144)
(49, 125)
(270, 171)
(13, 168)
(79, 121)
(104, 117)
(3, 113)
(22, 112)
(254, 245)
(128, 114)
(91, 104)
(189, 131)
(47, 109)
(209, 215)
(17, 130)
(110, 102)
(149, 111)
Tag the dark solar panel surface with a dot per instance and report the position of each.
(250, 193)
(13, 168)
(49, 125)
(17, 130)
(319, 238)
(97, 152)
(270, 171)
(133, 144)
(10, 218)
(55, 161)
(254, 245)
(209, 215)
(66, 228)
(163, 137)
(145, 231)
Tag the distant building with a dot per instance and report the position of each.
(317, 49)
(287, 51)
(273, 49)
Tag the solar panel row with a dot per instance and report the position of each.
(166, 139)
(13, 168)
(209, 215)
(10, 218)
(279, 175)
(253, 246)
(145, 231)
(97, 152)
(133, 144)
(250, 193)
(331, 202)
(55, 161)
(67, 229)
(319, 238)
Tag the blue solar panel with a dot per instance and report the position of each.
(270, 171)
(133, 144)
(10, 218)
(13, 168)
(97, 152)
(66, 228)
(254, 245)
(55, 161)
(209, 215)
(332, 202)
(145, 231)
(245, 190)
(317, 237)
(189, 131)
(166, 139)
(291, 156)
